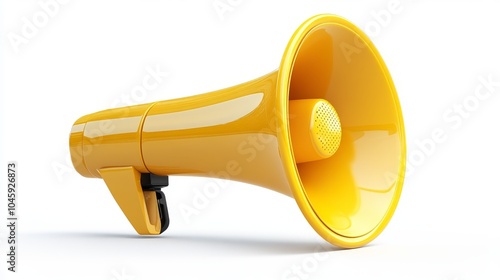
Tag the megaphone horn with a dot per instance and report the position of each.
(329, 120)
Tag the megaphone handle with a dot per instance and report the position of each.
(153, 182)
(140, 197)
(163, 210)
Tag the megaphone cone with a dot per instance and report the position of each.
(326, 129)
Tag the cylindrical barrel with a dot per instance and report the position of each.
(229, 134)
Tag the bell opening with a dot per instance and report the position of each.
(354, 191)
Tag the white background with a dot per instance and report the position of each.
(90, 55)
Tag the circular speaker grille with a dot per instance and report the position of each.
(326, 129)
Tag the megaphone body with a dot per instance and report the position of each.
(325, 128)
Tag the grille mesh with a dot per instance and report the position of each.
(327, 130)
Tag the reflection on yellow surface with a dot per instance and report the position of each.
(205, 116)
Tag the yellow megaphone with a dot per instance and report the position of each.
(326, 129)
